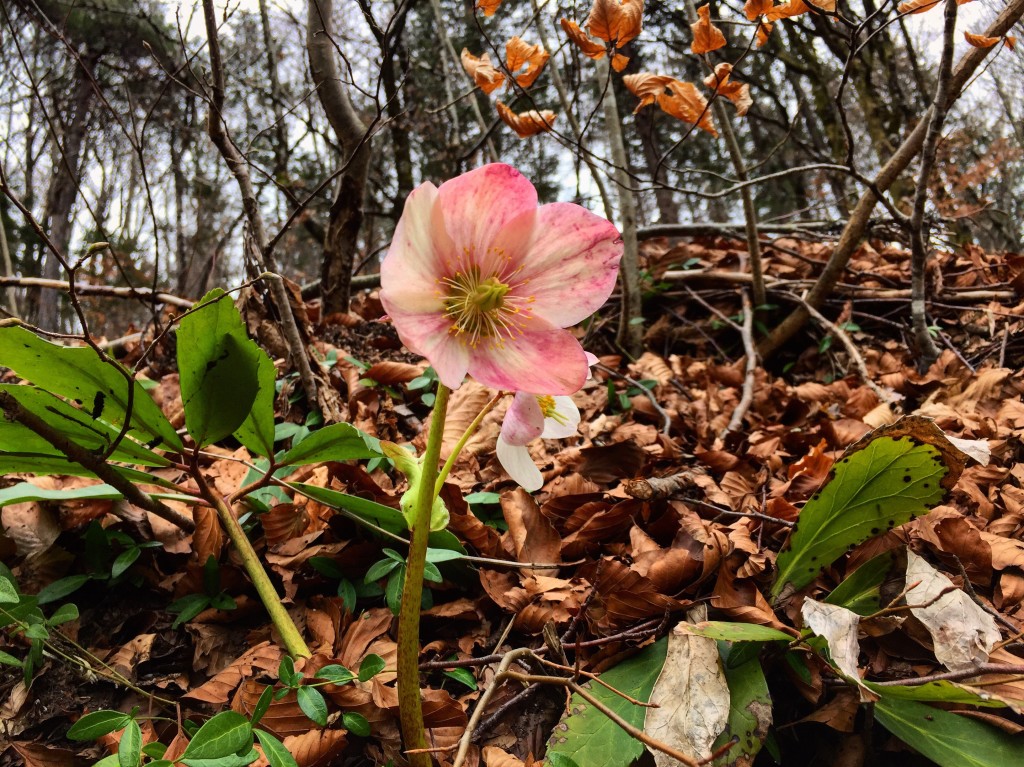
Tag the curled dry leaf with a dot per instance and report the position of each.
(980, 41)
(680, 99)
(917, 6)
(764, 31)
(754, 9)
(616, 21)
(619, 62)
(487, 78)
(526, 124)
(787, 10)
(589, 47)
(839, 628)
(706, 36)
(737, 93)
(488, 6)
(519, 54)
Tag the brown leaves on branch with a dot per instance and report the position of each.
(526, 124)
(737, 93)
(615, 21)
(980, 41)
(706, 36)
(519, 54)
(487, 78)
(787, 10)
(488, 6)
(680, 99)
(589, 47)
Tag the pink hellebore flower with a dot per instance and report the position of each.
(479, 279)
(528, 417)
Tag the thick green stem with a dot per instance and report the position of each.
(410, 706)
(290, 636)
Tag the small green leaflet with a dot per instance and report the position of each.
(859, 591)
(750, 709)
(26, 491)
(337, 442)
(219, 367)
(737, 632)
(257, 430)
(589, 738)
(77, 373)
(900, 472)
(947, 739)
(941, 691)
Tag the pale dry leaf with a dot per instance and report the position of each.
(692, 696)
(980, 41)
(526, 124)
(839, 628)
(706, 36)
(486, 77)
(519, 54)
(963, 634)
(978, 449)
(589, 47)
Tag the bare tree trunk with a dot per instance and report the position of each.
(631, 331)
(10, 303)
(63, 191)
(346, 214)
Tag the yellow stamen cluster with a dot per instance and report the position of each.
(547, 407)
(484, 308)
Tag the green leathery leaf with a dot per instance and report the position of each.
(223, 735)
(947, 739)
(219, 368)
(26, 491)
(859, 591)
(74, 423)
(588, 737)
(129, 749)
(383, 516)
(257, 430)
(894, 474)
(942, 691)
(337, 442)
(737, 632)
(77, 373)
(97, 724)
(275, 751)
(750, 709)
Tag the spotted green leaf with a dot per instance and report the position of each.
(750, 709)
(897, 473)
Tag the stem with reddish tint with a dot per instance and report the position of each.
(410, 705)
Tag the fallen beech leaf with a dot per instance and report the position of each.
(615, 21)
(787, 10)
(706, 36)
(692, 695)
(488, 6)
(519, 54)
(589, 48)
(980, 41)
(753, 9)
(917, 6)
(526, 124)
(487, 78)
(737, 93)
(963, 634)
(978, 449)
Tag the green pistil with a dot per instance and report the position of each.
(490, 295)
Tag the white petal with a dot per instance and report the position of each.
(566, 408)
(518, 464)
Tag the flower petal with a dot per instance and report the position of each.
(415, 260)
(477, 206)
(554, 429)
(573, 263)
(542, 359)
(517, 463)
(524, 420)
(428, 336)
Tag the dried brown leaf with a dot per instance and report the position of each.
(980, 41)
(737, 93)
(488, 6)
(487, 78)
(519, 54)
(589, 47)
(615, 21)
(526, 124)
(706, 36)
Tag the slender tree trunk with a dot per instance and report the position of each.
(346, 213)
(63, 191)
(631, 331)
(10, 303)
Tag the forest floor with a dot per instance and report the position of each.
(656, 508)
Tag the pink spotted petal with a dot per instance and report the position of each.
(543, 359)
(479, 205)
(566, 408)
(427, 335)
(415, 260)
(517, 463)
(524, 420)
(573, 263)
